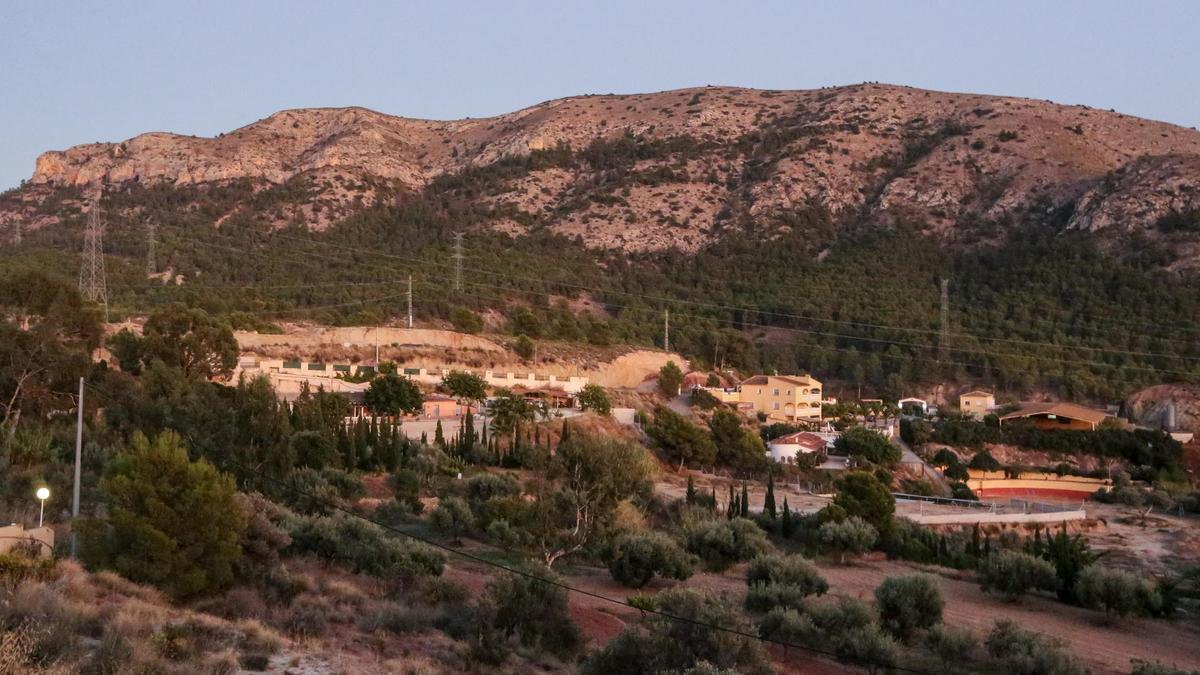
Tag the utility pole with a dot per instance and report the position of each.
(92, 283)
(944, 337)
(458, 258)
(151, 264)
(410, 323)
(78, 466)
(667, 330)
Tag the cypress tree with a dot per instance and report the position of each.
(345, 451)
(424, 438)
(438, 437)
(975, 543)
(690, 497)
(468, 431)
(769, 500)
(745, 501)
(714, 497)
(566, 434)
(731, 508)
(786, 525)
(987, 545)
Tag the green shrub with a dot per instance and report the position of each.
(366, 547)
(634, 559)
(721, 543)
(860, 493)
(1116, 592)
(867, 444)
(765, 596)
(853, 536)
(953, 646)
(777, 580)
(532, 610)
(1027, 653)
(908, 604)
(1014, 573)
(667, 645)
(452, 517)
(172, 522)
(780, 568)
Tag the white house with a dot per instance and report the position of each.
(785, 448)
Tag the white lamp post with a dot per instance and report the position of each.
(43, 493)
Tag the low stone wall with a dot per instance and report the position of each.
(363, 336)
(15, 535)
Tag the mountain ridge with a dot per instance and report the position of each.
(729, 157)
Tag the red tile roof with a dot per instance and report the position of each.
(804, 439)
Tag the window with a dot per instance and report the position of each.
(776, 406)
(776, 392)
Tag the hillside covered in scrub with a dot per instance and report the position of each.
(788, 230)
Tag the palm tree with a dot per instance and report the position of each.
(508, 412)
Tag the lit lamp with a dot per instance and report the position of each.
(43, 493)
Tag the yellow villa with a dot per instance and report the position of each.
(782, 397)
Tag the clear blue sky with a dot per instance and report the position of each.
(77, 72)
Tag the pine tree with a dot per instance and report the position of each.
(769, 500)
(786, 524)
(690, 497)
(745, 501)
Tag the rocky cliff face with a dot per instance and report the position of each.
(947, 161)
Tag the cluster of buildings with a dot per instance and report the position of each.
(290, 377)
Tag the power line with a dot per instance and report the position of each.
(661, 299)
(765, 312)
(333, 506)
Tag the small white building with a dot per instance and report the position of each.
(913, 403)
(785, 448)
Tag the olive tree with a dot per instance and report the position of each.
(1014, 573)
(721, 543)
(1116, 592)
(908, 604)
(778, 580)
(634, 558)
(452, 517)
(853, 536)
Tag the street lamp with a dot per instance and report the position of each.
(43, 493)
